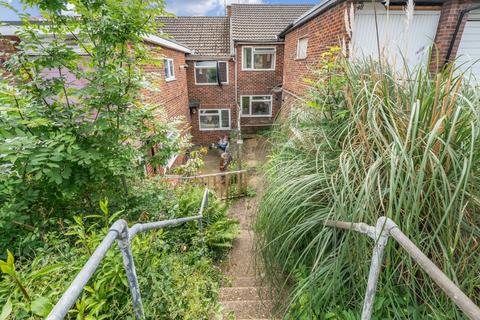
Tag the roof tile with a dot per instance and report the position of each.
(206, 36)
(263, 22)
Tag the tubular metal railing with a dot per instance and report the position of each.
(384, 229)
(120, 232)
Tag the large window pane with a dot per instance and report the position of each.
(256, 106)
(263, 61)
(206, 72)
(209, 121)
(261, 108)
(214, 119)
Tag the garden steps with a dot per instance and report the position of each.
(242, 295)
(249, 309)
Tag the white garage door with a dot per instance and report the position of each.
(398, 42)
(468, 56)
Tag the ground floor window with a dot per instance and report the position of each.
(214, 119)
(256, 106)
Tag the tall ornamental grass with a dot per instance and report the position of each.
(367, 144)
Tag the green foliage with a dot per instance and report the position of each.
(193, 163)
(73, 122)
(177, 276)
(370, 145)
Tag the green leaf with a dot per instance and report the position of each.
(10, 259)
(41, 306)
(6, 310)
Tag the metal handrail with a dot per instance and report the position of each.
(384, 229)
(120, 232)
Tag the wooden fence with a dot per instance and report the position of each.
(226, 185)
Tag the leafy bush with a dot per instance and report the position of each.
(369, 144)
(73, 122)
(177, 275)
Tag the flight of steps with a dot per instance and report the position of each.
(242, 296)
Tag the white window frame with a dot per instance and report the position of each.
(250, 115)
(274, 62)
(209, 84)
(298, 57)
(167, 62)
(220, 117)
(171, 161)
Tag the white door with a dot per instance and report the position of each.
(401, 43)
(468, 56)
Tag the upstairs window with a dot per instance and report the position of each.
(256, 106)
(302, 46)
(214, 119)
(169, 71)
(211, 72)
(258, 58)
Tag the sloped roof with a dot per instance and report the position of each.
(205, 36)
(263, 22)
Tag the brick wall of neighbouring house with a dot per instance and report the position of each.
(260, 83)
(211, 97)
(171, 95)
(7, 47)
(451, 10)
(323, 32)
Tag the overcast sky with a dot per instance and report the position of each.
(217, 7)
(178, 7)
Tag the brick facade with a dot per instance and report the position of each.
(260, 83)
(7, 47)
(328, 29)
(211, 97)
(172, 95)
(449, 16)
(323, 32)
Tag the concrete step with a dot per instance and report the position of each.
(242, 293)
(249, 281)
(247, 309)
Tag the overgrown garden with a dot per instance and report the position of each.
(371, 142)
(74, 134)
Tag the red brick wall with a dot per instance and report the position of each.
(260, 83)
(211, 97)
(323, 32)
(7, 47)
(446, 27)
(171, 95)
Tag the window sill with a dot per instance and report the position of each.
(300, 59)
(170, 80)
(211, 84)
(247, 70)
(218, 129)
(256, 116)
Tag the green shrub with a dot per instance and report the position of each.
(175, 266)
(366, 145)
(64, 146)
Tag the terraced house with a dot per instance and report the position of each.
(235, 70)
(223, 73)
(246, 64)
